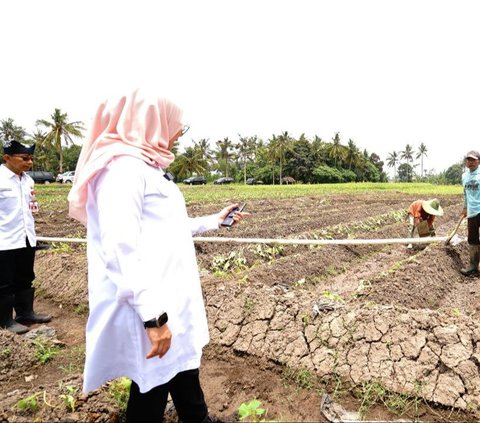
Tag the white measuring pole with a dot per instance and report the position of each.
(425, 240)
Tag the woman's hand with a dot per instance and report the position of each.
(236, 217)
(161, 339)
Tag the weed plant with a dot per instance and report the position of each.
(119, 390)
(374, 393)
(44, 352)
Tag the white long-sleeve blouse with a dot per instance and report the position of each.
(141, 262)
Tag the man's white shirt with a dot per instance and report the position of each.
(16, 219)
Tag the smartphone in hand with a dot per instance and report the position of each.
(228, 221)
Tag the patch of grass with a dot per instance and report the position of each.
(374, 393)
(302, 378)
(75, 359)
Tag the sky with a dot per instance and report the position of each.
(382, 73)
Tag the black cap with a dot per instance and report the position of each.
(14, 147)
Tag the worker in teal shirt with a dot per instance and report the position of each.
(471, 210)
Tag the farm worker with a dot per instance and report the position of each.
(421, 215)
(471, 209)
(17, 238)
(147, 318)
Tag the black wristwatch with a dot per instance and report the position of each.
(157, 322)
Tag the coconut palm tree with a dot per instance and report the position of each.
(188, 163)
(279, 145)
(392, 161)
(407, 155)
(246, 150)
(422, 151)
(225, 152)
(60, 130)
(352, 154)
(204, 150)
(10, 131)
(336, 151)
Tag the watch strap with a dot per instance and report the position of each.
(157, 322)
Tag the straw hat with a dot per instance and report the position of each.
(432, 207)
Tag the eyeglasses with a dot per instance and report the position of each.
(24, 158)
(185, 129)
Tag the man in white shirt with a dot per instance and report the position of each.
(17, 239)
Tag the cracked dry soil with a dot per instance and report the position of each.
(287, 324)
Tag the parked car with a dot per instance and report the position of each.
(195, 180)
(41, 176)
(253, 181)
(67, 177)
(59, 177)
(224, 180)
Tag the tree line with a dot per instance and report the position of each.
(280, 159)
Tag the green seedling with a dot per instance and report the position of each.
(44, 352)
(234, 262)
(252, 410)
(69, 398)
(29, 404)
(6, 352)
(333, 296)
(81, 309)
(248, 305)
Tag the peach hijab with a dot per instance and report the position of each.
(138, 125)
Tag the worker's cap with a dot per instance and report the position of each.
(473, 155)
(432, 207)
(14, 147)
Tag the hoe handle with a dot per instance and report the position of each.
(454, 231)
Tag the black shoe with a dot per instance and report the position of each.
(6, 321)
(469, 272)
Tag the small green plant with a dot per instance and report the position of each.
(61, 247)
(252, 410)
(248, 305)
(29, 404)
(81, 309)
(306, 319)
(6, 352)
(268, 252)
(331, 270)
(301, 377)
(333, 296)
(69, 398)
(119, 389)
(45, 352)
(234, 262)
(300, 282)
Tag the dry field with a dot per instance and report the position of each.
(386, 332)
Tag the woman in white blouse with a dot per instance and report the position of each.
(147, 318)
